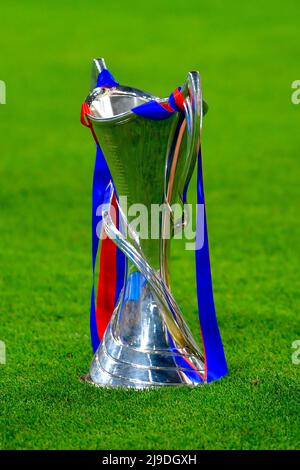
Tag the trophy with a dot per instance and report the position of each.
(147, 149)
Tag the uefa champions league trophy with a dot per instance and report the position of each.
(148, 147)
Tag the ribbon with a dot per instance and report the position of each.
(112, 260)
(215, 361)
(106, 80)
(161, 110)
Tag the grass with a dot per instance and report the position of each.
(248, 57)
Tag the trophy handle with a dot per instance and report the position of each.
(191, 126)
(97, 66)
(193, 110)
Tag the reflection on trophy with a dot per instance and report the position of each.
(150, 146)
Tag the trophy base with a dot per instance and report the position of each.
(127, 385)
(142, 348)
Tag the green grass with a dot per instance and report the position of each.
(248, 55)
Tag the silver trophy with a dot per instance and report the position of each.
(147, 342)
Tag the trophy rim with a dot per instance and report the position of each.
(121, 90)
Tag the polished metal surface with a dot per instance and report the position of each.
(138, 349)
(147, 342)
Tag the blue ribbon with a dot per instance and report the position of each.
(106, 79)
(152, 110)
(216, 366)
(101, 179)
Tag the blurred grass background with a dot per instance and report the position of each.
(248, 56)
